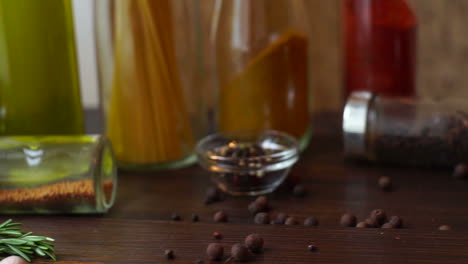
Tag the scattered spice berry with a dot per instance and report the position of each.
(362, 225)
(385, 183)
(215, 251)
(379, 215)
(254, 242)
(259, 205)
(280, 219)
(396, 221)
(195, 218)
(169, 254)
(220, 217)
(240, 252)
(262, 219)
(262, 201)
(299, 191)
(387, 226)
(311, 221)
(175, 217)
(213, 195)
(291, 221)
(312, 248)
(371, 222)
(445, 228)
(460, 171)
(348, 220)
(217, 235)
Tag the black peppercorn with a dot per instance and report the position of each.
(280, 219)
(291, 221)
(460, 171)
(299, 191)
(362, 225)
(445, 228)
(311, 221)
(396, 221)
(217, 235)
(195, 218)
(311, 248)
(215, 251)
(385, 183)
(262, 218)
(240, 252)
(254, 242)
(387, 226)
(175, 217)
(379, 215)
(169, 254)
(213, 194)
(220, 216)
(348, 220)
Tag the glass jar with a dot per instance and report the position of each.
(39, 84)
(261, 67)
(406, 131)
(379, 47)
(153, 120)
(56, 174)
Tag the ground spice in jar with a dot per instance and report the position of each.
(53, 195)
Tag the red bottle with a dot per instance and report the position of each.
(380, 47)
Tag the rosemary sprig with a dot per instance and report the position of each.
(13, 241)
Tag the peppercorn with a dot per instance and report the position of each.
(460, 171)
(169, 254)
(291, 221)
(262, 219)
(445, 228)
(379, 215)
(215, 251)
(262, 203)
(213, 194)
(240, 252)
(311, 221)
(387, 226)
(175, 217)
(371, 222)
(217, 235)
(280, 219)
(195, 218)
(311, 248)
(299, 191)
(362, 225)
(220, 216)
(348, 220)
(254, 242)
(385, 183)
(396, 221)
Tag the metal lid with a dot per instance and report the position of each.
(355, 116)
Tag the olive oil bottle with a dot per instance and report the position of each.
(39, 84)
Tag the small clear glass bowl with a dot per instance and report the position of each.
(257, 173)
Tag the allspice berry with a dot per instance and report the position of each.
(311, 221)
(445, 228)
(280, 219)
(262, 219)
(291, 221)
(379, 215)
(385, 183)
(220, 217)
(215, 251)
(348, 220)
(262, 201)
(169, 254)
(387, 226)
(254, 242)
(175, 217)
(299, 191)
(460, 171)
(217, 235)
(240, 252)
(362, 225)
(213, 194)
(371, 222)
(396, 221)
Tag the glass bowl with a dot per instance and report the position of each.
(248, 163)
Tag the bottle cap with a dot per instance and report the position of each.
(355, 116)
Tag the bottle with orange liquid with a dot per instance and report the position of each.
(379, 46)
(261, 66)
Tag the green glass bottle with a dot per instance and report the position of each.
(39, 84)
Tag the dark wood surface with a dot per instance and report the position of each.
(138, 229)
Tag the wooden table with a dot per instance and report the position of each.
(138, 228)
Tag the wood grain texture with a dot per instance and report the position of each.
(138, 228)
(442, 49)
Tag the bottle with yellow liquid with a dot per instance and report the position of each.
(261, 67)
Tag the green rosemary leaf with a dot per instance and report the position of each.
(5, 223)
(21, 254)
(34, 238)
(50, 239)
(27, 234)
(51, 255)
(40, 252)
(13, 241)
(11, 233)
(13, 224)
